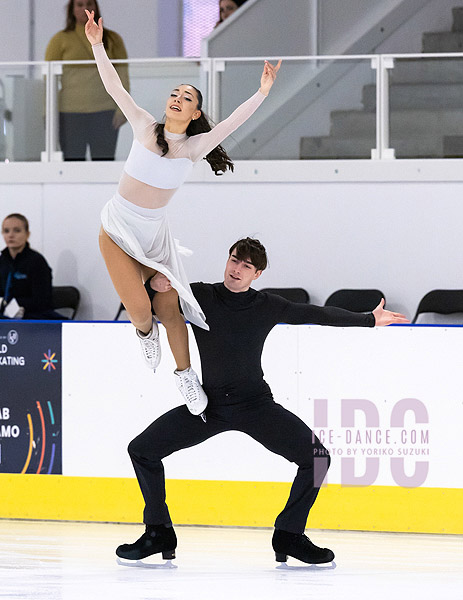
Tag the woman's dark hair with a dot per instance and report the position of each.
(238, 3)
(71, 20)
(20, 218)
(217, 158)
(250, 249)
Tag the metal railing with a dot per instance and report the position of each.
(322, 107)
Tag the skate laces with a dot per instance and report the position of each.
(150, 344)
(189, 387)
(150, 347)
(308, 542)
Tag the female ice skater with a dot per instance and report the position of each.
(135, 239)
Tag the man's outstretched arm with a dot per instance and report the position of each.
(296, 314)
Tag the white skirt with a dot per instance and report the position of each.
(144, 234)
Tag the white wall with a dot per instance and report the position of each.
(14, 40)
(401, 237)
(121, 393)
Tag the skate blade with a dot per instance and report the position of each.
(140, 564)
(322, 567)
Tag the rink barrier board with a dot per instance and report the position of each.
(231, 503)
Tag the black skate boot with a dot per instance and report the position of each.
(157, 538)
(298, 546)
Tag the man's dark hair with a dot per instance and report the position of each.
(250, 249)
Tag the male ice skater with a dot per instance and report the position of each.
(240, 318)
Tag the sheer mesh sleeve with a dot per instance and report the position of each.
(138, 118)
(203, 143)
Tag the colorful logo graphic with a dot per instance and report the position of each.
(42, 439)
(49, 361)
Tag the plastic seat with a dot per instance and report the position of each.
(66, 297)
(356, 300)
(121, 314)
(292, 294)
(441, 302)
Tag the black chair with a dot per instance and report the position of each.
(291, 294)
(66, 297)
(355, 300)
(443, 302)
(120, 310)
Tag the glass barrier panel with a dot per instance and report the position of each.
(425, 107)
(103, 134)
(317, 109)
(22, 113)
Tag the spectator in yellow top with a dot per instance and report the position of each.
(87, 114)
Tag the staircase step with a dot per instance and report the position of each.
(437, 123)
(417, 96)
(453, 146)
(329, 148)
(457, 14)
(444, 41)
(427, 70)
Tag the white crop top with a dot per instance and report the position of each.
(155, 170)
(145, 162)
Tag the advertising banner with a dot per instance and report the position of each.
(30, 397)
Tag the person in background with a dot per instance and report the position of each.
(227, 8)
(87, 115)
(24, 274)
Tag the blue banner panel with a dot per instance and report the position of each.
(30, 397)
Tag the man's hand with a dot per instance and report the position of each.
(160, 283)
(386, 317)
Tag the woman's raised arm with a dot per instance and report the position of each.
(203, 143)
(137, 117)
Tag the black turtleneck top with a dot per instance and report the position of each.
(27, 278)
(239, 324)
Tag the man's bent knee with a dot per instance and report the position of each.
(322, 461)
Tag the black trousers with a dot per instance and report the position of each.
(76, 130)
(276, 428)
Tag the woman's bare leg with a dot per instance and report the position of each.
(127, 277)
(165, 306)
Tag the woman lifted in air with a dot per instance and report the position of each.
(135, 239)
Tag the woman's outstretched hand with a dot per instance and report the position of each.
(93, 31)
(268, 76)
(386, 317)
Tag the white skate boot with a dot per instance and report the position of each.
(150, 346)
(188, 383)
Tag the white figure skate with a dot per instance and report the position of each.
(188, 383)
(151, 346)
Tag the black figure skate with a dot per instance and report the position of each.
(157, 538)
(299, 546)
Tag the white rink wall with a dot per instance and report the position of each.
(399, 385)
(401, 236)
